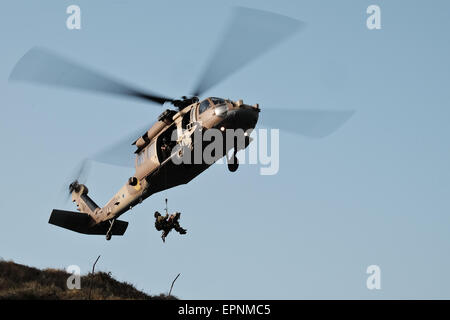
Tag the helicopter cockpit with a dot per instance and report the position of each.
(209, 102)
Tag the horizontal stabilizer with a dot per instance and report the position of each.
(83, 223)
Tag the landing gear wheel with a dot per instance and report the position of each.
(234, 165)
(108, 236)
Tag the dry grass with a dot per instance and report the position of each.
(22, 282)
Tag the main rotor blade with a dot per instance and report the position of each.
(41, 66)
(309, 123)
(250, 33)
(120, 153)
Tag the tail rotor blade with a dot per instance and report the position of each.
(83, 170)
(80, 175)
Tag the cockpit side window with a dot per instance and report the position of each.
(205, 104)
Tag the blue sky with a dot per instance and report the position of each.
(374, 192)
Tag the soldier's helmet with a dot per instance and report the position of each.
(157, 214)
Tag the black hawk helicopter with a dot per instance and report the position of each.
(249, 34)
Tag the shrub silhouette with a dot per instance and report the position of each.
(22, 282)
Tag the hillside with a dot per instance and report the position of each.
(22, 282)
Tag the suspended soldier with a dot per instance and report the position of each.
(167, 223)
(160, 221)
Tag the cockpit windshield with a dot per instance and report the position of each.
(205, 104)
(217, 101)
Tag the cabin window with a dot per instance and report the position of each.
(140, 158)
(150, 151)
(186, 120)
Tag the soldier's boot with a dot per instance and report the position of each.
(179, 229)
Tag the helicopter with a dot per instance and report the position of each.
(251, 33)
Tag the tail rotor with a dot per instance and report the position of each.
(79, 177)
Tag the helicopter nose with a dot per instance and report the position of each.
(244, 117)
